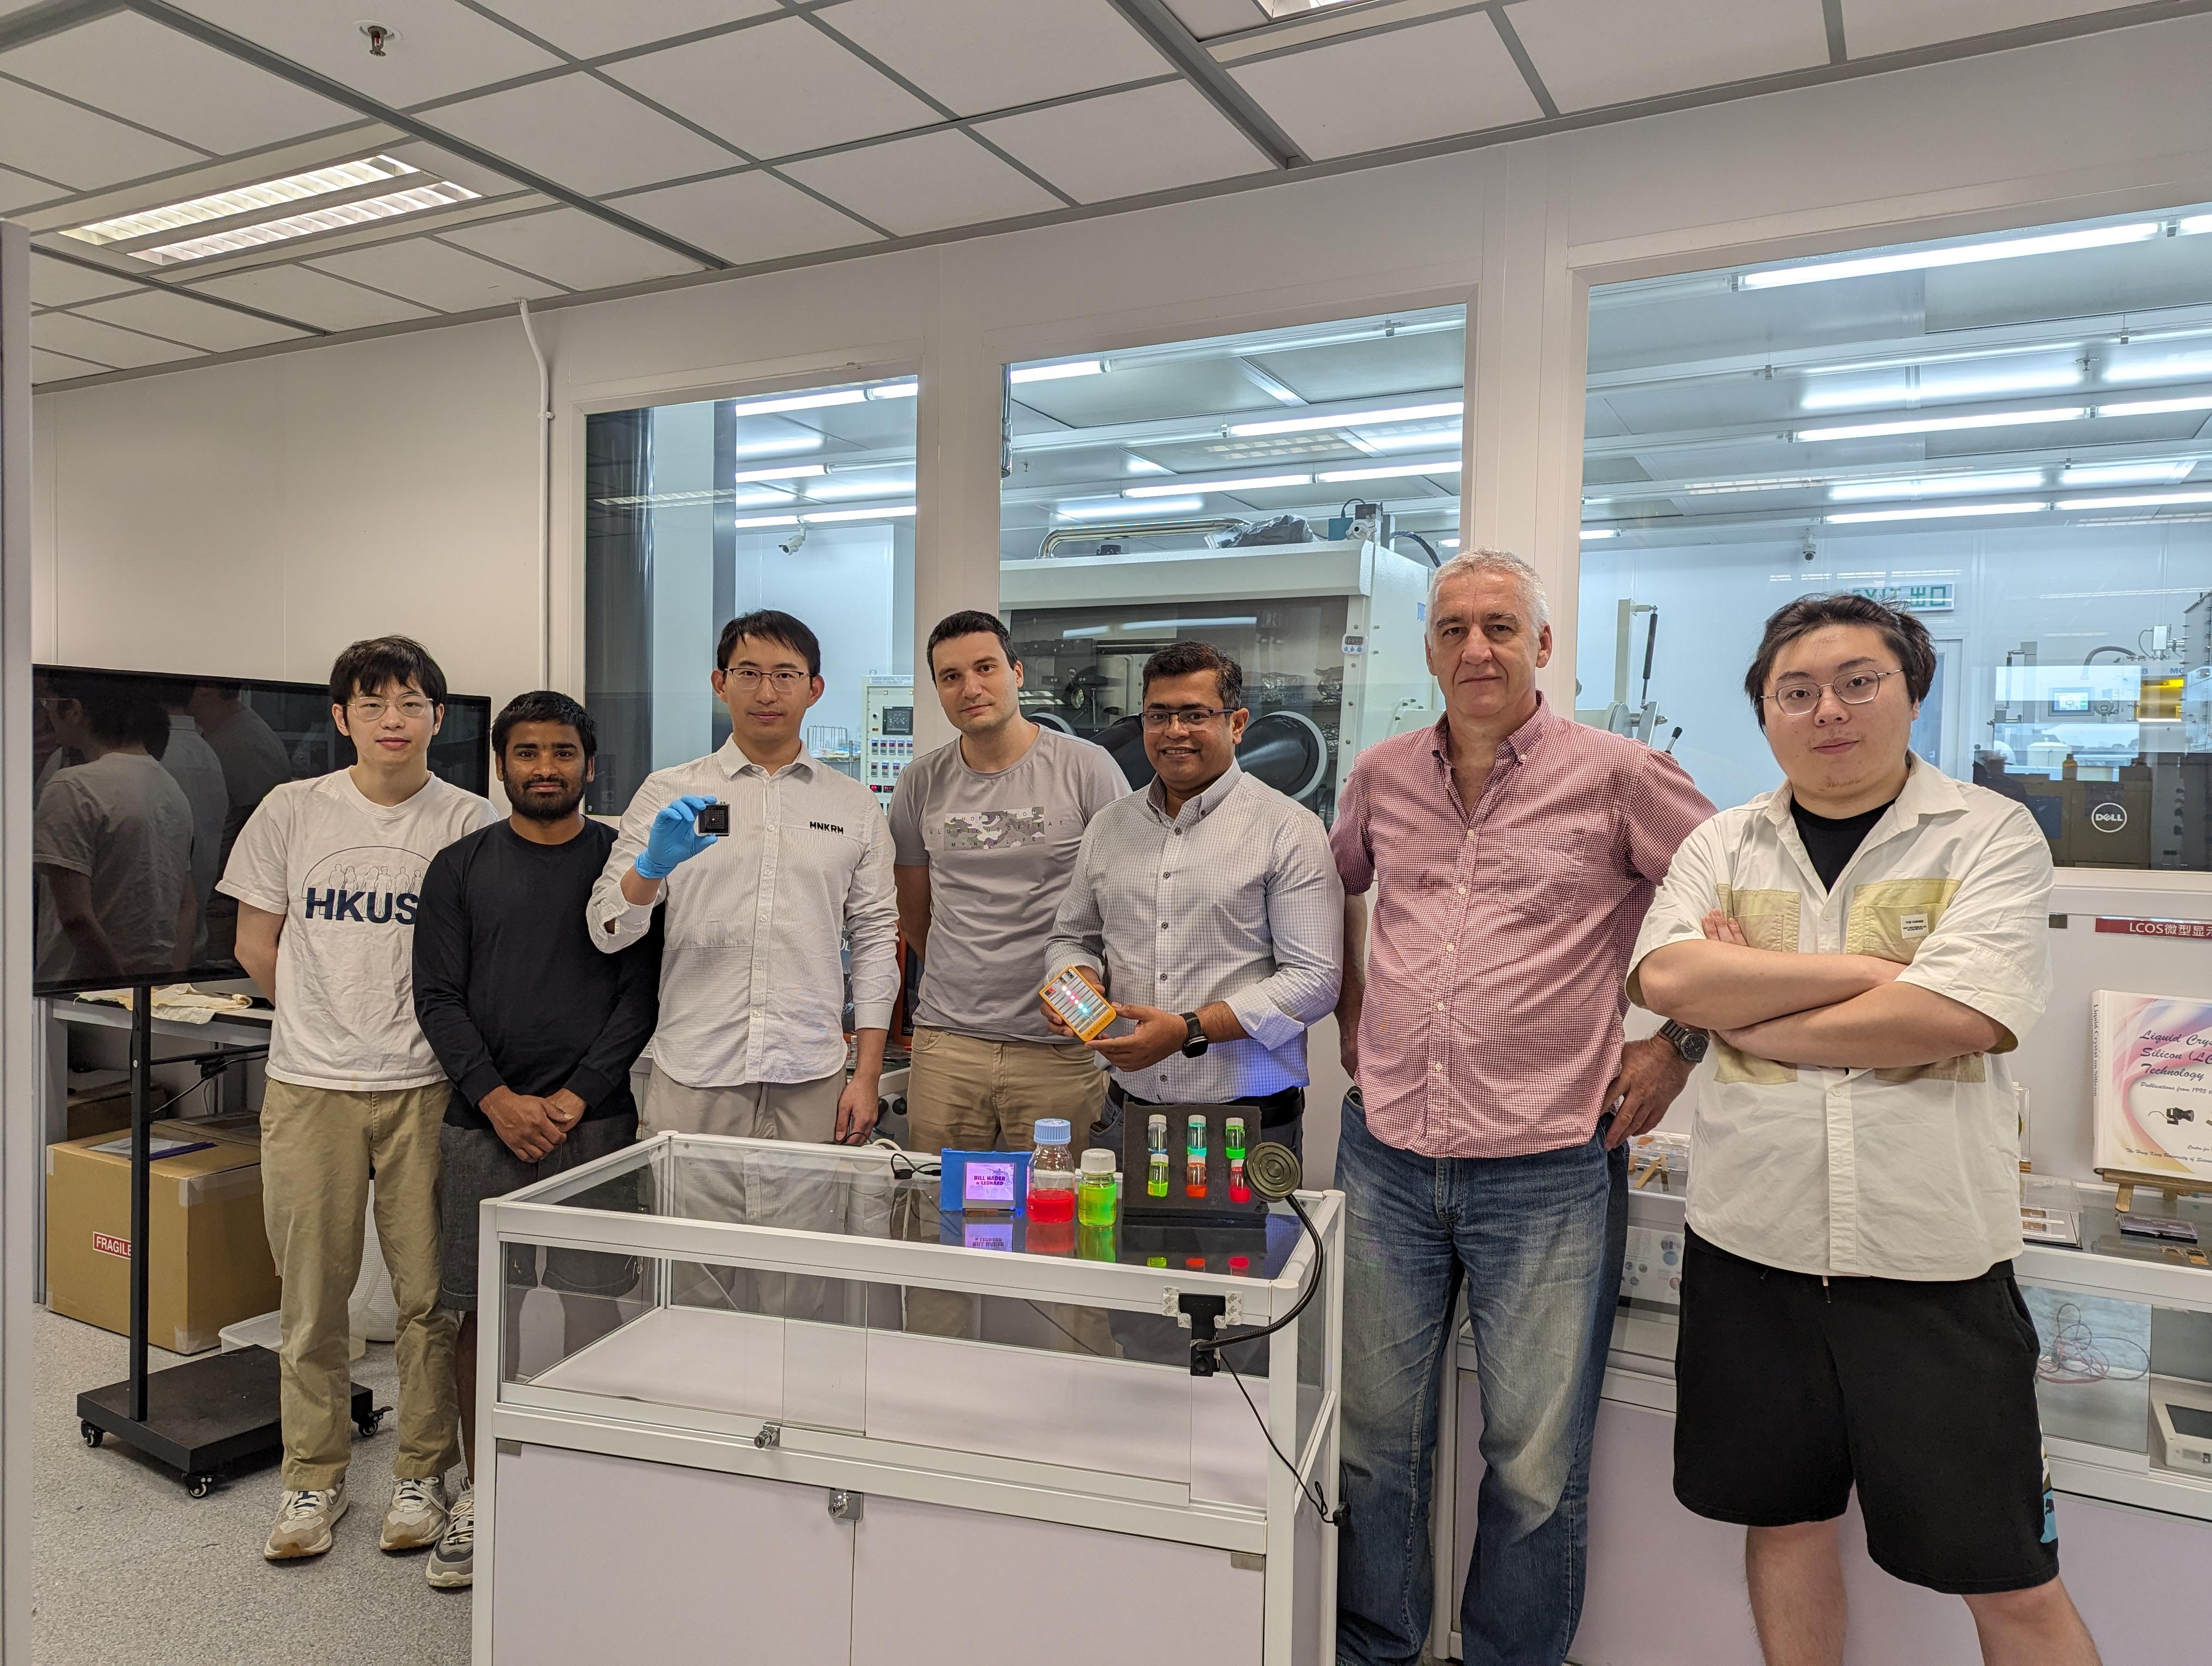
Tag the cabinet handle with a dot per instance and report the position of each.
(847, 1506)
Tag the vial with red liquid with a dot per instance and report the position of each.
(1053, 1178)
(1193, 1163)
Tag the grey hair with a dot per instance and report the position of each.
(1470, 563)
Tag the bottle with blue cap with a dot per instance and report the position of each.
(1052, 1176)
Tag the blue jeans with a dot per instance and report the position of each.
(1538, 1240)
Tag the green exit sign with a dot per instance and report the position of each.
(1910, 597)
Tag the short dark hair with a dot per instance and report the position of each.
(544, 705)
(1902, 634)
(970, 622)
(120, 709)
(770, 625)
(366, 667)
(1182, 659)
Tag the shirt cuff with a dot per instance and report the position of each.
(482, 1082)
(267, 905)
(589, 1085)
(1262, 1020)
(872, 1014)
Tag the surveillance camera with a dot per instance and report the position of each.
(1808, 551)
(790, 546)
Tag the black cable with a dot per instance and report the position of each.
(1435, 560)
(1312, 1492)
(1064, 1330)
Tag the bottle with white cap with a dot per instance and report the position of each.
(1095, 1201)
(1053, 1178)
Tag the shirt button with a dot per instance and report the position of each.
(1448, 948)
(1470, 832)
(1462, 891)
(1163, 977)
(1439, 1066)
(1164, 925)
(1440, 1007)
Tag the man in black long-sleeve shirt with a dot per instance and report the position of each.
(538, 1030)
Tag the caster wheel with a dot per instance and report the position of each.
(93, 1434)
(369, 1424)
(199, 1486)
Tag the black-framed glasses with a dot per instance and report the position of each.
(1803, 699)
(783, 682)
(1190, 717)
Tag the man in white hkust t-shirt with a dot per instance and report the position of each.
(326, 874)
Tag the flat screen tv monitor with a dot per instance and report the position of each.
(143, 781)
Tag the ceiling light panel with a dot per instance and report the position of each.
(1860, 491)
(2127, 474)
(269, 194)
(1115, 509)
(2155, 407)
(1053, 373)
(1936, 512)
(1388, 472)
(1256, 482)
(1914, 260)
(787, 472)
(889, 511)
(2137, 501)
(1946, 425)
(415, 200)
(1373, 417)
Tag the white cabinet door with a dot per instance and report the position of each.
(934, 1586)
(604, 1559)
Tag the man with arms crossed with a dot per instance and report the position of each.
(1865, 943)
(328, 874)
(751, 1039)
(1207, 909)
(1511, 852)
(536, 1031)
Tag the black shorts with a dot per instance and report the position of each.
(476, 1164)
(1789, 1391)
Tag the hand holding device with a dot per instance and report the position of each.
(674, 836)
(1076, 1006)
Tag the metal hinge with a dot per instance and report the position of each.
(770, 1438)
(847, 1506)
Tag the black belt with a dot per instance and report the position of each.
(1274, 1109)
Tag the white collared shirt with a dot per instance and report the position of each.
(1899, 1174)
(753, 979)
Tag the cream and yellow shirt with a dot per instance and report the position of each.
(1899, 1174)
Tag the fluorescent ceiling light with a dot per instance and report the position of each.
(899, 390)
(1960, 388)
(2126, 474)
(1946, 425)
(1388, 472)
(1940, 512)
(442, 194)
(788, 472)
(2140, 501)
(1591, 534)
(225, 204)
(843, 396)
(1853, 491)
(1082, 630)
(765, 520)
(892, 513)
(1054, 373)
(1246, 484)
(1447, 544)
(783, 445)
(2174, 366)
(1374, 418)
(1965, 255)
(872, 485)
(1181, 624)
(1423, 438)
(2194, 224)
(1118, 510)
(1145, 466)
(2154, 407)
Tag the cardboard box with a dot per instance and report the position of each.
(210, 1264)
(98, 1111)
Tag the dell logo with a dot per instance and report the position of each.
(2109, 818)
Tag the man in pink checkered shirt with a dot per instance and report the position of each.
(1513, 853)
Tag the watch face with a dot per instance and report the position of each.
(1694, 1047)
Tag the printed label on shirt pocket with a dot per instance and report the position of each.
(1892, 918)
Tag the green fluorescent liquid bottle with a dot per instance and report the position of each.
(1095, 1201)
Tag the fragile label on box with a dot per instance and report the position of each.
(108, 1244)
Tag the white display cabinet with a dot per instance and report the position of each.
(768, 1402)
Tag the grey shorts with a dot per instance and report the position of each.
(477, 1165)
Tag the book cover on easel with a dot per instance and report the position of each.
(2153, 1108)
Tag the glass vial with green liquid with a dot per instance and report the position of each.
(1156, 1157)
(1095, 1199)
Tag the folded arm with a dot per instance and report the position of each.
(1898, 1025)
(1719, 982)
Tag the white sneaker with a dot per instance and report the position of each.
(304, 1523)
(453, 1563)
(417, 1515)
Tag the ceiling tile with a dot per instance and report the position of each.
(447, 279)
(42, 134)
(978, 55)
(314, 297)
(1874, 26)
(571, 247)
(103, 344)
(1594, 53)
(20, 191)
(588, 136)
(60, 367)
(776, 89)
(133, 67)
(440, 47)
(747, 218)
(590, 27)
(62, 283)
(445, 165)
(1127, 144)
(1426, 83)
(180, 317)
(928, 183)
(1210, 19)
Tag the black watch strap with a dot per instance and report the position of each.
(1690, 1045)
(1194, 1040)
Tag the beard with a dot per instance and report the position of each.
(539, 808)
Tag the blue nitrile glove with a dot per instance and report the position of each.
(673, 838)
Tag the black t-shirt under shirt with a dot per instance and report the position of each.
(508, 985)
(1833, 841)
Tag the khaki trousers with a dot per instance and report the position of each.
(319, 1146)
(967, 1094)
(753, 1110)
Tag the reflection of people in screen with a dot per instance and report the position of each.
(112, 839)
(253, 760)
(192, 764)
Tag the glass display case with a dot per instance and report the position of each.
(792, 1360)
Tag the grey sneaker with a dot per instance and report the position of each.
(453, 1563)
(417, 1515)
(304, 1522)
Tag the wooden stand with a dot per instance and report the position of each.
(2171, 1187)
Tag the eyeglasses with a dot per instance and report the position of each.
(1191, 717)
(414, 707)
(783, 682)
(1803, 699)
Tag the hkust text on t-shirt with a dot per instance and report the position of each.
(375, 886)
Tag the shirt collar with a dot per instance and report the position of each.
(1523, 742)
(1197, 809)
(733, 762)
(1927, 792)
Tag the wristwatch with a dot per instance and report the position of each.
(1690, 1043)
(1193, 1041)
